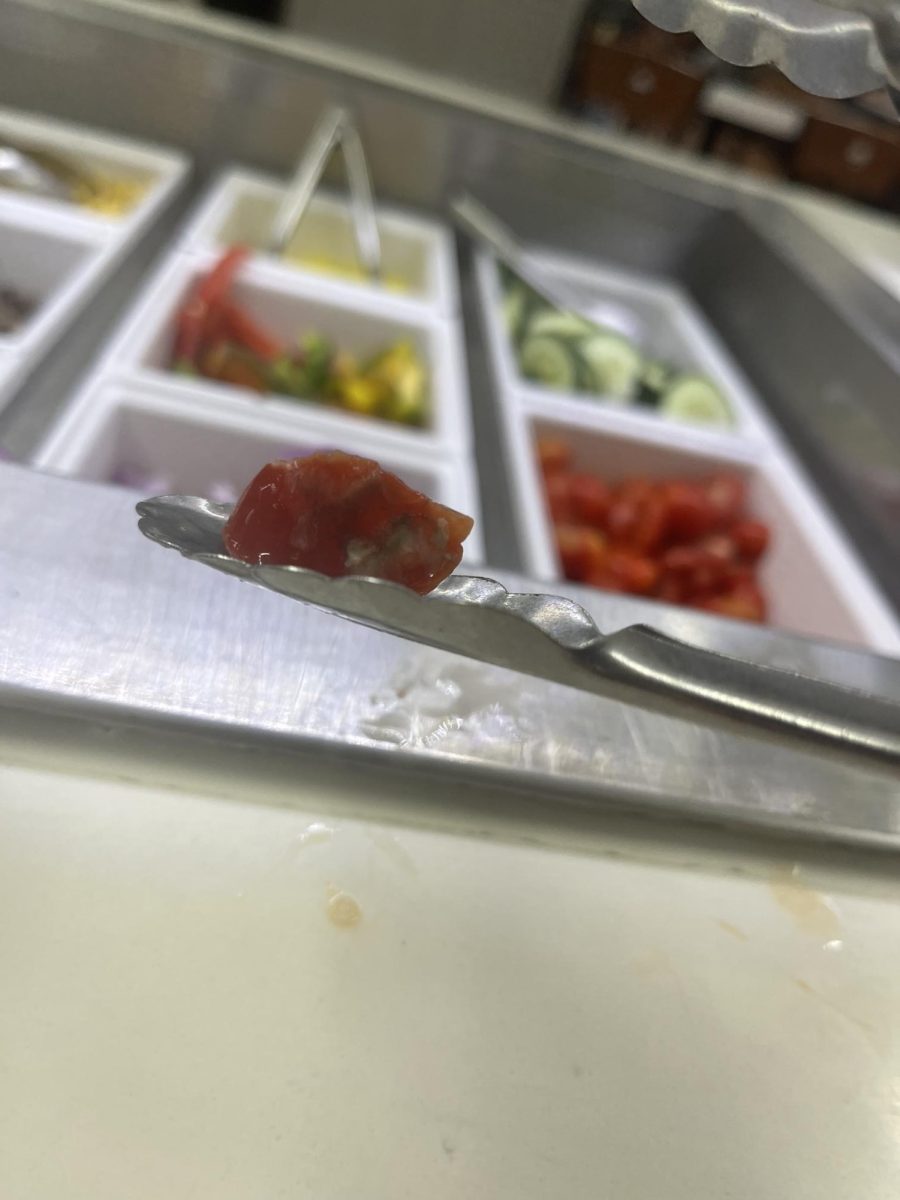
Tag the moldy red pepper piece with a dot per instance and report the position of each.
(343, 515)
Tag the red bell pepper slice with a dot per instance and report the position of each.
(238, 326)
(206, 298)
(343, 515)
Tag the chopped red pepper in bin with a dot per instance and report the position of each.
(343, 515)
(684, 541)
(240, 327)
(203, 308)
(218, 339)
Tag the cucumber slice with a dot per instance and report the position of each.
(549, 361)
(613, 363)
(515, 305)
(654, 381)
(553, 322)
(697, 399)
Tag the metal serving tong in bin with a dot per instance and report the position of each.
(486, 228)
(336, 128)
(41, 173)
(555, 639)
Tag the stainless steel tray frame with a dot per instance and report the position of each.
(107, 628)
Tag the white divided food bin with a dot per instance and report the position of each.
(55, 253)
(289, 307)
(655, 316)
(50, 264)
(814, 583)
(418, 259)
(119, 431)
(10, 371)
(156, 171)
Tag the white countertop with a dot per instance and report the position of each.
(181, 1015)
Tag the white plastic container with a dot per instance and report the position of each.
(52, 262)
(662, 322)
(417, 254)
(59, 252)
(289, 306)
(121, 432)
(10, 372)
(813, 580)
(161, 171)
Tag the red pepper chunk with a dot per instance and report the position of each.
(343, 515)
(204, 306)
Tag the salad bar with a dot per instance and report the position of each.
(283, 890)
(641, 462)
(613, 449)
(637, 458)
(73, 203)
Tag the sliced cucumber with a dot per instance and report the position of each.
(654, 381)
(515, 305)
(613, 363)
(553, 322)
(548, 360)
(697, 399)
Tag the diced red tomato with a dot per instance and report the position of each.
(738, 573)
(625, 571)
(698, 570)
(638, 573)
(681, 561)
(622, 520)
(743, 602)
(553, 454)
(589, 498)
(726, 493)
(671, 589)
(582, 551)
(720, 546)
(689, 512)
(559, 498)
(606, 579)
(681, 541)
(241, 328)
(751, 539)
(636, 490)
(343, 515)
(652, 524)
(203, 305)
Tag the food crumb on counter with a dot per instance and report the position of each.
(342, 909)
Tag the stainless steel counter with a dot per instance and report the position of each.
(97, 622)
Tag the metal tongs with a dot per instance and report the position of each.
(555, 639)
(41, 173)
(486, 228)
(335, 129)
